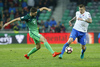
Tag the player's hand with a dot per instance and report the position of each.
(49, 9)
(70, 24)
(80, 19)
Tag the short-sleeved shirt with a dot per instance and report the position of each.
(31, 22)
(81, 25)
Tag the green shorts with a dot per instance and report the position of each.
(36, 36)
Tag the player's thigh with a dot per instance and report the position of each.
(73, 35)
(42, 39)
(82, 39)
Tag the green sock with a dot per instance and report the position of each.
(32, 51)
(48, 47)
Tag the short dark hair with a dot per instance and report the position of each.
(81, 5)
(33, 9)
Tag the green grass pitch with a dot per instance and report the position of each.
(13, 56)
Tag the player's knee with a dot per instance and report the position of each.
(70, 41)
(38, 47)
(44, 40)
(83, 47)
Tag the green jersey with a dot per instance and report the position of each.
(31, 22)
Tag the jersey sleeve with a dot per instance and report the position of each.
(77, 15)
(89, 15)
(23, 18)
(38, 11)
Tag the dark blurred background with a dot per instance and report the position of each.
(55, 21)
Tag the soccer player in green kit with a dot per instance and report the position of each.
(31, 21)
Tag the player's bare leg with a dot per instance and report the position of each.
(65, 45)
(38, 46)
(82, 52)
(70, 41)
(42, 39)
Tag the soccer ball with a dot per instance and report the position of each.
(68, 50)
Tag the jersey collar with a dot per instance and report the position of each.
(30, 16)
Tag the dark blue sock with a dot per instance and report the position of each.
(83, 50)
(63, 50)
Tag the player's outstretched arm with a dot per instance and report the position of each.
(17, 19)
(70, 24)
(73, 19)
(45, 8)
